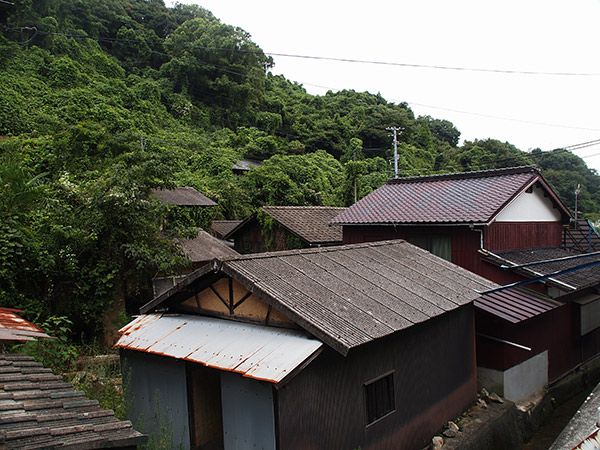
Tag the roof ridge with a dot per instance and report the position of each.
(464, 175)
(311, 250)
(301, 207)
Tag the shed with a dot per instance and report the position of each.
(276, 228)
(368, 345)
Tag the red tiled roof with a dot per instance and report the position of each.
(471, 197)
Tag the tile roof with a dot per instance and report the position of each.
(347, 295)
(571, 281)
(516, 305)
(470, 197)
(40, 411)
(205, 247)
(220, 228)
(309, 223)
(183, 196)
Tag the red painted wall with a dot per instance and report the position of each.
(512, 235)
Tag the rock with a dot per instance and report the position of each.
(437, 443)
(496, 398)
(485, 394)
(452, 430)
(482, 404)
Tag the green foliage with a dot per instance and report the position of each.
(58, 353)
(112, 98)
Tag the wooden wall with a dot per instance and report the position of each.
(323, 407)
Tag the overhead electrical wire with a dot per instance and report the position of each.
(573, 147)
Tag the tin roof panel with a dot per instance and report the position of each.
(255, 351)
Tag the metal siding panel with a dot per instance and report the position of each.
(248, 416)
(157, 389)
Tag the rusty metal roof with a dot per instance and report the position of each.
(516, 305)
(469, 197)
(15, 328)
(183, 196)
(255, 351)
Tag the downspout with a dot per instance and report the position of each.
(480, 231)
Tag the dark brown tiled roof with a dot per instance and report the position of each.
(348, 295)
(471, 197)
(309, 223)
(220, 228)
(205, 247)
(515, 305)
(39, 410)
(183, 196)
(571, 281)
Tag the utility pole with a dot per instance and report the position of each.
(395, 130)
(577, 191)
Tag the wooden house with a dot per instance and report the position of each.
(365, 346)
(276, 228)
(456, 215)
(485, 222)
(221, 228)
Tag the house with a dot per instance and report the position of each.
(365, 346)
(243, 166)
(491, 222)
(275, 228)
(221, 228)
(456, 215)
(39, 410)
(581, 237)
(200, 250)
(183, 196)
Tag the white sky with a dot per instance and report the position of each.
(529, 111)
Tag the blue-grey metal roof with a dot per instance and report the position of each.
(255, 351)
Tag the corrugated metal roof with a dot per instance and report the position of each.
(470, 197)
(572, 280)
(15, 328)
(205, 247)
(255, 351)
(516, 305)
(183, 196)
(350, 295)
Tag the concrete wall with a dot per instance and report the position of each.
(519, 381)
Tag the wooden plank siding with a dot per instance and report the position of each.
(513, 235)
(324, 406)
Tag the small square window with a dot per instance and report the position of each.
(380, 399)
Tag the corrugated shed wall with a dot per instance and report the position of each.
(435, 380)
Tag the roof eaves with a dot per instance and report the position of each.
(242, 224)
(290, 313)
(180, 287)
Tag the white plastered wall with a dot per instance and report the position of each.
(530, 207)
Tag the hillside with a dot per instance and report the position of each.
(101, 100)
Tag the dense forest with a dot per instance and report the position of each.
(102, 100)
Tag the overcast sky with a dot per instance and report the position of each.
(527, 110)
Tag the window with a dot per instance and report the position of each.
(437, 244)
(379, 394)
